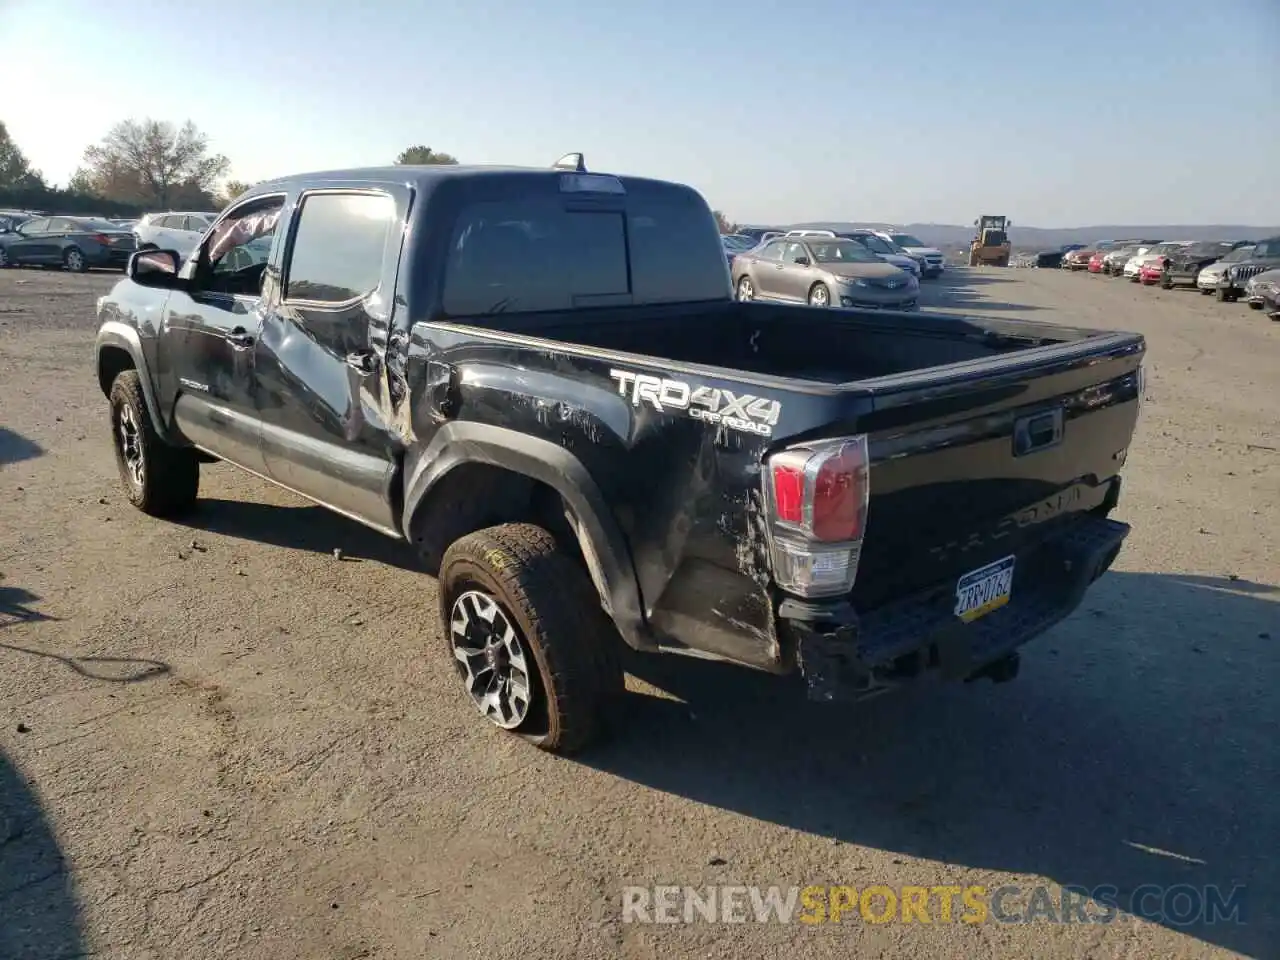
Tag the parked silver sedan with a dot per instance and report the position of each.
(823, 272)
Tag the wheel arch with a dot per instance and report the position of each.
(513, 476)
(119, 348)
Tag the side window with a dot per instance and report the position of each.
(234, 256)
(794, 250)
(773, 251)
(35, 226)
(338, 246)
(195, 224)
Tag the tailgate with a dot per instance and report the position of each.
(972, 461)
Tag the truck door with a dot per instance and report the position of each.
(210, 331)
(320, 359)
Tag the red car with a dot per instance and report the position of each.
(1150, 273)
(1095, 262)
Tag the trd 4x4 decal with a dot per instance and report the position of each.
(745, 412)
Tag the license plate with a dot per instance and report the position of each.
(980, 591)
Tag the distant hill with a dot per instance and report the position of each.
(950, 237)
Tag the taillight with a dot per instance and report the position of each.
(817, 496)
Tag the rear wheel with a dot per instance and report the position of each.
(74, 260)
(745, 290)
(527, 637)
(819, 295)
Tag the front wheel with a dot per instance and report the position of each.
(746, 291)
(1206, 293)
(159, 479)
(1255, 306)
(527, 637)
(819, 296)
(1224, 296)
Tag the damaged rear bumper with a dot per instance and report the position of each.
(847, 656)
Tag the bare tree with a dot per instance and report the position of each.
(232, 189)
(724, 223)
(155, 161)
(16, 171)
(420, 154)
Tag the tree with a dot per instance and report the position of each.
(232, 189)
(16, 172)
(724, 223)
(152, 162)
(421, 154)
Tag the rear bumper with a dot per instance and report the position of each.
(847, 656)
(108, 257)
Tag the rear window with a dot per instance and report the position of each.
(533, 254)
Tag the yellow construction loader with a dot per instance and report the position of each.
(991, 247)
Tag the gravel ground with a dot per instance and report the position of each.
(218, 740)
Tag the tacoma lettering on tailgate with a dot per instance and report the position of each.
(752, 414)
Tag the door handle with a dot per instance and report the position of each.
(361, 361)
(240, 338)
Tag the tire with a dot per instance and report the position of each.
(4, 259)
(1224, 296)
(515, 574)
(73, 260)
(1255, 306)
(1206, 293)
(1135, 279)
(746, 291)
(159, 479)
(1166, 283)
(819, 296)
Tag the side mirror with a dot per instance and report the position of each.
(803, 261)
(155, 268)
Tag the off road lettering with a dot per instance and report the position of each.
(745, 411)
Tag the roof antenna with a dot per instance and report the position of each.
(571, 161)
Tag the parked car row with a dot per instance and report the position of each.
(73, 243)
(82, 242)
(1231, 270)
(859, 268)
(891, 245)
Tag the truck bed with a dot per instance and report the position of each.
(835, 347)
(945, 401)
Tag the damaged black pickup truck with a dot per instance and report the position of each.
(540, 378)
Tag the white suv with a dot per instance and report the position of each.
(176, 230)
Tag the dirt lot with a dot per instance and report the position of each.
(218, 740)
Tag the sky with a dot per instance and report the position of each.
(1056, 114)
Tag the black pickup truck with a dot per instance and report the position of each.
(542, 380)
